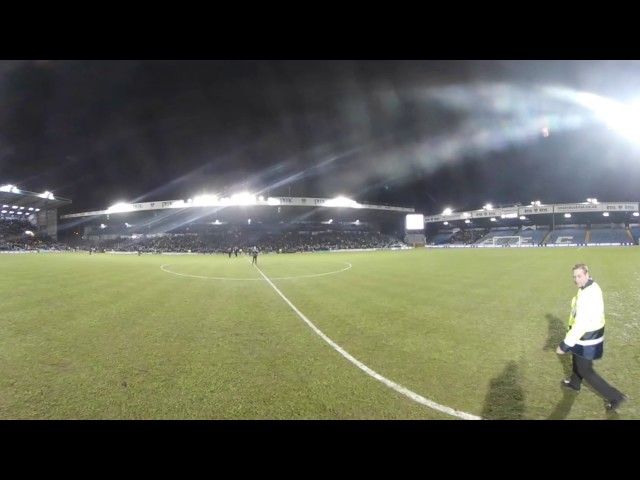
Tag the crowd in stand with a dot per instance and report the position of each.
(468, 237)
(277, 243)
(14, 237)
(18, 235)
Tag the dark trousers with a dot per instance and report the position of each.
(583, 370)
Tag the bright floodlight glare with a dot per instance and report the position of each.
(243, 198)
(47, 194)
(341, 201)
(204, 200)
(493, 219)
(467, 221)
(626, 121)
(414, 222)
(522, 217)
(9, 188)
(567, 215)
(605, 214)
(446, 223)
(273, 201)
(620, 117)
(636, 214)
(120, 207)
(488, 206)
(447, 211)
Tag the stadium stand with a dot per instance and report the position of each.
(608, 235)
(532, 236)
(570, 235)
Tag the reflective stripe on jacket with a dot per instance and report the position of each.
(585, 335)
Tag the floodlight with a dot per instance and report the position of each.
(414, 222)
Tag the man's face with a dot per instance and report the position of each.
(580, 277)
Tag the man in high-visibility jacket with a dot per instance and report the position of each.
(585, 338)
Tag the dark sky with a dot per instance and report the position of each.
(427, 134)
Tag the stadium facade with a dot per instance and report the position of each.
(209, 214)
(40, 209)
(585, 223)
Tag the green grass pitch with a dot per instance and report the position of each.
(109, 336)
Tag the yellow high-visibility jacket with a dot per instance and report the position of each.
(585, 335)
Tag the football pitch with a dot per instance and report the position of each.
(425, 334)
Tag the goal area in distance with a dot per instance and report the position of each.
(512, 241)
(415, 239)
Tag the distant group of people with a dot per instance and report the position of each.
(254, 253)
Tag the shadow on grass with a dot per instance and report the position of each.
(564, 407)
(505, 400)
(555, 334)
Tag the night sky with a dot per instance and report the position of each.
(426, 134)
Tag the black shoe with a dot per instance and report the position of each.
(614, 405)
(567, 384)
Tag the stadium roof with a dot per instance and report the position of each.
(593, 212)
(34, 200)
(245, 201)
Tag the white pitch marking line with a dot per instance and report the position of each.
(162, 267)
(398, 388)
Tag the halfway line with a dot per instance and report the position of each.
(398, 388)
